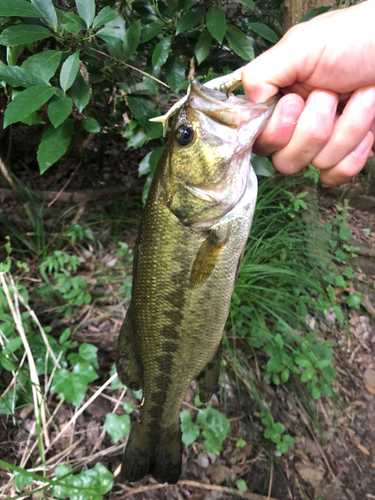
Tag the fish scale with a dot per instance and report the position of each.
(190, 243)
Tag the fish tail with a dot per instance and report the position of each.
(158, 453)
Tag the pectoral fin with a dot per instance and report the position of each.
(206, 259)
(208, 378)
(128, 365)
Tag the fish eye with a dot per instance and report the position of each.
(184, 135)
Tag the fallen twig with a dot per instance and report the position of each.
(196, 484)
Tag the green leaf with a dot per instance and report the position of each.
(190, 431)
(241, 485)
(59, 109)
(91, 484)
(339, 281)
(240, 443)
(307, 374)
(216, 23)
(136, 138)
(132, 39)
(117, 426)
(315, 12)
(69, 71)
(24, 33)
(279, 341)
(264, 31)
(239, 42)
(190, 19)
(216, 427)
(151, 30)
(22, 480)
(80, 93)
(285, 375)
(278, 427)
(115, 384)
(54, 143)
(62, 470)
(8, 402)
(104, 16)
(262, 166)
(86, 10)
(13, 53)
(150, 161)
(161, 52)
(12, 346)
(26, 102)
(175, 73)
(305, 363)
(203, 45)
(20, 77)
(73, 385)
(91, 125)
(43, 63)
(147, 86)
(143, 109)
(19, 8)
(5, 362)
(345, 233)
(316, 393)
(128, 407)
(354, 300)
(248, 3)
(88, 352)
(47, 9)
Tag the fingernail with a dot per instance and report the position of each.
(290, 111)
(325, 103)
(368, 98)
(362, 147)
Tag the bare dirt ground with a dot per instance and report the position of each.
(334, 456)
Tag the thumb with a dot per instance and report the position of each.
(276, 68)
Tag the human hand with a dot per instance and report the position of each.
(326, 68)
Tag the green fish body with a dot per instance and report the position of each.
(189, 247)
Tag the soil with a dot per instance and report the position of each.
(333, 456)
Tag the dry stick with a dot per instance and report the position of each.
(112, 450)
(80, 411)
(271, 481)
(4, 171)
(65, 185)
(35, 385)
(129, 66)
(114, 400)
(196, 484)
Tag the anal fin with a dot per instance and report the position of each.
(208, 378)
(206, 259)
(128, 365)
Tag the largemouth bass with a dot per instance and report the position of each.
(189, 247)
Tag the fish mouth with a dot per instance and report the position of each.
(229, 110)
